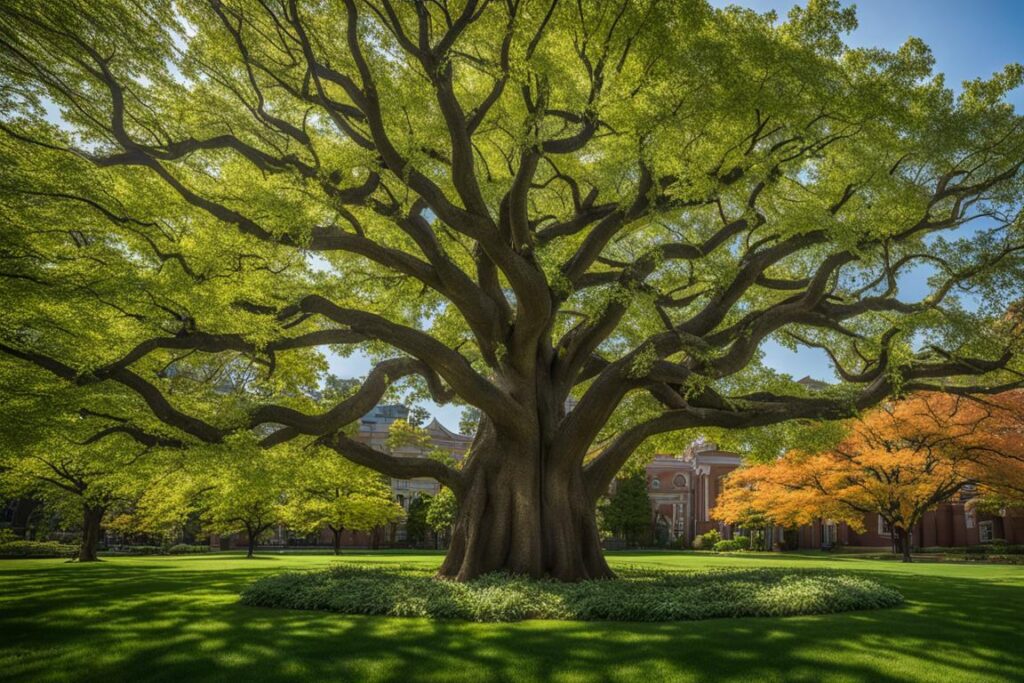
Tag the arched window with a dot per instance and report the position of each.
(655, 484)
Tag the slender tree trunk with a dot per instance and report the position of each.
(251, 543)
(337, 539)
(91, 530)
(904, 538)
(523, 513)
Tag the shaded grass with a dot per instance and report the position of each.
(178, 618)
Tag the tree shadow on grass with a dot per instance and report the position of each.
(166, 622)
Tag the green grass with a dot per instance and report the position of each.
(178, 619)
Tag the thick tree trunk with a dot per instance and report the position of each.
(520, 516)
(91, 530)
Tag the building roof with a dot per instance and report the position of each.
(812, 384)
(439, 429)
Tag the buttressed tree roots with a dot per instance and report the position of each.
(507, 204)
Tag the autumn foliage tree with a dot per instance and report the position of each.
(898, 461)
(1000, 476)
(506, 204)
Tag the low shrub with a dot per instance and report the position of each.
(707, 541)
(638, 595)
(137, 550)
(186, 549)
(1001, 547)
(728, 546)
(37, 549)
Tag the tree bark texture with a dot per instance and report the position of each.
(92, 520)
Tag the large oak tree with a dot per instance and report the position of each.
(505, 203)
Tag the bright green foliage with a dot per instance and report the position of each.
(441, 513)
(52, 450)
(732, 544)
(327, 490)
(245, 493)
(627, 514)
(509, 205)
(707, 540)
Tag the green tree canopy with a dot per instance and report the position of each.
(325, 490)
(508, 204)
(627, 514)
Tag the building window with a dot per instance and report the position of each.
(883, 527)
(985, 534)
(655, 483)
(679, 481)
(679, 513)
(828, 533)
(970, 519)
(707, 501)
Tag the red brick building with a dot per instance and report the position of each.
(684, 489)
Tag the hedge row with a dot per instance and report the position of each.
(37, 549)
(177, 549)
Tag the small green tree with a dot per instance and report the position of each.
(416, 525)
(442, 511)
(333, 492)
(627, 514)
(83, 465)
(245, 494)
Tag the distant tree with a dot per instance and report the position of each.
(627, 514)
(898, 461)
(83, 464)
(416, 525)
(418, 416)
(327, 490)
(167, 508)
(245, 493)
(442, 511)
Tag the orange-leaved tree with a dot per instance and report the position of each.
(898, 461)
(1000, 476)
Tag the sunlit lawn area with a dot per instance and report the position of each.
(177, 619)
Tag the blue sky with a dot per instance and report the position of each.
(969, 40)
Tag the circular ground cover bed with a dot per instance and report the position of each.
(637, 595)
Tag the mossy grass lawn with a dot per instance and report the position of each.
(179, 618)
